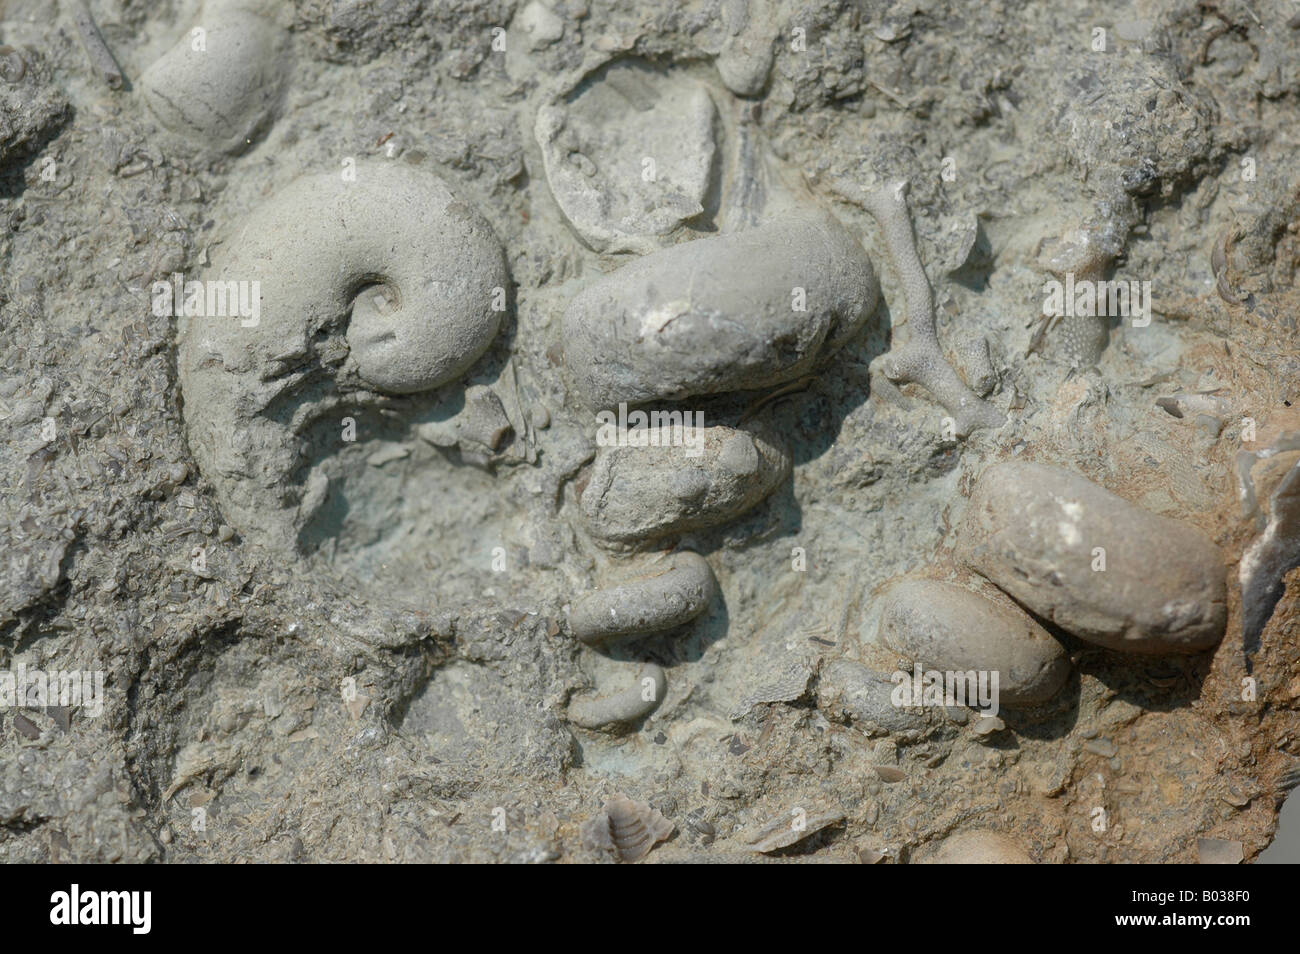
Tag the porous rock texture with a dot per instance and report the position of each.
(395, 678)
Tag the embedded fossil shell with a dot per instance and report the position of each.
(1038, 532)
(848, 691)
(411, 267)
(1219, 851)
(628, 828)
(221, 84)
(679, 591)
(627, 705)
(752, 309)
(628, 154)
(1270, 489)
(790, 828)
(948, 627)
(395, 258)
(643, 492)
(745, 59)
(790, 686)
(977, 848)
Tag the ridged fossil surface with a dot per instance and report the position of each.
(626, 828)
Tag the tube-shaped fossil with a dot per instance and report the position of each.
(918, 358)
(627, 705)
(678, 590)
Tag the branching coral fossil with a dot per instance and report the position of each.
(918, 358)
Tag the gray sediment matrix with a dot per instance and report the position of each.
(745, 431)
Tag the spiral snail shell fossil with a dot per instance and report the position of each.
(418, 270)
(413, 276)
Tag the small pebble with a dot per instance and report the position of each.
(1103, 747)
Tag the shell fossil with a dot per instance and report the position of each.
(643, 492)
(624, 706)
(386, 292)
(222, 82)
(627, 828)
(593, 135)
(392, 261)
(790, 828)
(1163, 589)
(751, 309)
(677, 592)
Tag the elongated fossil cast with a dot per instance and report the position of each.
(627, 705)
(675, 592)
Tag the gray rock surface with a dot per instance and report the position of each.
(337, 632)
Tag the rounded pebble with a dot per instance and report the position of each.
(1042, 533)
(947, 627)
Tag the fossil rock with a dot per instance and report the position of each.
(628, 153)
(848, 691)
(944, 626)
(1041, 534)
(674, 592)
(977, 848)
(624, 706)
(790, 828)
(752, 309)
(626, 828)
(682, 478)
(221, 84)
